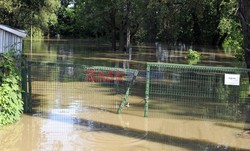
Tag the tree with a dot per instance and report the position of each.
(66, 20)
(244, 12)
(24, 13)
(97, 18)
(230, 28)
(104, 18)
(7, 10)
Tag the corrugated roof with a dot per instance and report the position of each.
(17, 32)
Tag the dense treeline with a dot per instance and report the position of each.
(188, 21)
(197, 22)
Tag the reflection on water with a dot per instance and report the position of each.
(85, 52)
(72, 114)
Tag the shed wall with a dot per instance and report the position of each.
(9, 41)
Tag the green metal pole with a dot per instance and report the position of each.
(125, 99)
(30, 89)
(24, 85)
(147, 91)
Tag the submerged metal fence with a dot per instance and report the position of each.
(198, 91)
(52, 84)
(179, 90)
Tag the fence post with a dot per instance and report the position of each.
(125, 99)
(247, 122)
(24, 84)
(30, 89)
(147, 91)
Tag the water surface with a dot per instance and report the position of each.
(72, 114)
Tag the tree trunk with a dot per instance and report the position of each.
(113, 20)
(128, 24)
(196, 28)
(244, 12)
(128, 36)
(247, 125)
(121, 37)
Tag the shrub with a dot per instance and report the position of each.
(11, 104)
(193, 56)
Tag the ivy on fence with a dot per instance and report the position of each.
(11, 104)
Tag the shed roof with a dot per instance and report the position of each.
(17, 32)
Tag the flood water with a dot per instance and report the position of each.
(70, 114)
(85, 52)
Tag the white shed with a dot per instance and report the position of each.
(10, 38)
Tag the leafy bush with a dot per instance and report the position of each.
(193, 56)
(240, 56)
(11, 104)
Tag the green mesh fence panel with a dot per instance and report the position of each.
(195, 92)
(176, 90)
(59, 86)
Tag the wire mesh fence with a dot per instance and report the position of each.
(171, 90)
(60, 85)
(197, 92)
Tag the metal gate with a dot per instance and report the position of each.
(61, 84)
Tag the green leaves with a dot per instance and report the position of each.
(231, 27)
(11, 104)
(193, 56)
(41, 14)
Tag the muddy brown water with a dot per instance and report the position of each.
(76, 115)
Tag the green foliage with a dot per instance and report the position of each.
(231, 27)
(190, 21)
(193, 56)
(193, 21)
(66, 23)
(234, 39)
(41, 14)
(11, 104)
(37, 33)
(240, 56)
